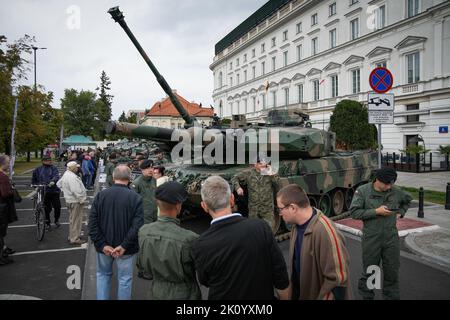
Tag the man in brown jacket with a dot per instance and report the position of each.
(319, 262)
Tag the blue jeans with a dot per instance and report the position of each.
(125, 266)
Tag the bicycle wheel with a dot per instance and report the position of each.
(40, 224)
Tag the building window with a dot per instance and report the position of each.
(263, 68)
(245, 106)
(380, 17)
(237, 62)
(285, 58)
(253, 53)
(314, 19)
(381, 64)
(230, 105)
(352, 2)
(254, 103)
(245, 58)
(316, 90)
(334, 86)
(274, 63)
(356, 84)
(415, 117)
(412, 7)
(300, 93)
(354, 29)
(245, 75)
(231, 81)
(285, 35)
(299, 52)
(263, 47)
(274, 99)
(263, 97)
(298, 27)
(253, 72)
(238, 79)
(332, 9)
(314, 46)
(413, 67)
(220, 79)
(333, 38)
(286, 97)
(231, 65)
(238, 107)
(274, 42)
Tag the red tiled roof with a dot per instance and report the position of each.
(166, 108)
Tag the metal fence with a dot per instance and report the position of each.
(423, 162)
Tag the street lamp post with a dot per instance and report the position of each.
(35, 49)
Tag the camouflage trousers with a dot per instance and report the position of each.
(267, 217)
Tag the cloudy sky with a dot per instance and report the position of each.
(82, 40)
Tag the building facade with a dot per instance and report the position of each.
(309, 55)
(164, 114)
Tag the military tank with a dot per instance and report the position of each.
(302, 155)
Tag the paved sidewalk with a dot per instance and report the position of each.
(436, 181)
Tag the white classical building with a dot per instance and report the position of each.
(309, 55)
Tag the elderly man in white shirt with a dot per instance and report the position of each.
(75, 195)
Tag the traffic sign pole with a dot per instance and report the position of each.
(379, 146)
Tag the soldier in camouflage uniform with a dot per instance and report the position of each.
(377, 204)
(261, 185)
(109, 168)
(145, 185)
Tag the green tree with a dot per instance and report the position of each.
(105, 100)
(13, 68)
(123, 117)
(31, 130)
(132, 118)
(80, 113)
(350, 123)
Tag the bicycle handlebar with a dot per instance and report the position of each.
(38, 185)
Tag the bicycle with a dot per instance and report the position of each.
(39, 210)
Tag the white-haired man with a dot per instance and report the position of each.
(75, 195)
(237, 258)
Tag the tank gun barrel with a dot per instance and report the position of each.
(118, 16)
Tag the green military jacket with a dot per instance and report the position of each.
(261, 189)
(165, 255)
(146, 186)
(367, 199)
(109, 168)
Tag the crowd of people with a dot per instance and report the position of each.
(136, 223)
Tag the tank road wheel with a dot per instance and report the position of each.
(348, 197)
(338, 202)
(313, 201)
(325, 204)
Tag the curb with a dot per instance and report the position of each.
(401, 233)
(89, 286)
(411, 245)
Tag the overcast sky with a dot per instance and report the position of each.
(178, 35)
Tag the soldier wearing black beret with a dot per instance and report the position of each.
(378, 204)
(165, 248)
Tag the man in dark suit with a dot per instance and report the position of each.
(237, 258)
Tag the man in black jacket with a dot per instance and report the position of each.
(237, 258)
(116, 216)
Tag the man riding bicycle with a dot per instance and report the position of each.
(48, 175)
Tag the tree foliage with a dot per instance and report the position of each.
(104, 102)
(13, 68)
(350, 123)
(80, 111)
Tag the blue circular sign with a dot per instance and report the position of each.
(381, 80)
